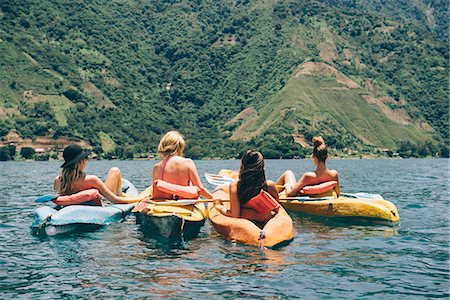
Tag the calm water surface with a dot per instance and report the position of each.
(327, 259)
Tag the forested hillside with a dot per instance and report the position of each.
(229, 75)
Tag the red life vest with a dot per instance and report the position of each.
(262, 203)
(86, 197)
(166, 190)
(318, 188)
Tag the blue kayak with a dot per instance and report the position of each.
(71, 218)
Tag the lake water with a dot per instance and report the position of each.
(326, 259)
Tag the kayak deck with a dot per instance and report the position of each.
(345, 207)
(172, 221)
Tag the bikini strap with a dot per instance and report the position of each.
(164, 166)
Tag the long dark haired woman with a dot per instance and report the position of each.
(252, 181)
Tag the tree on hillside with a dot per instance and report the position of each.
(27, 152)
(12, 151)
(4, 154)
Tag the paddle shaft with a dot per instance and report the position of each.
(193, 201)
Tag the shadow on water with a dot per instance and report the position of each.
(64, 230)
(152, 239)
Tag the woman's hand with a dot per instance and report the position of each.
(217, 201)
(219, 206)
(144, 198)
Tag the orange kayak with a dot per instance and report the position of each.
(276, 232)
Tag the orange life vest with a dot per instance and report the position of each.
(318, 188)
(262, 203)
(86, 197)
(166, 190)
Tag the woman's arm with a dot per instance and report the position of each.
(56, 184)
(292, 191)
(96, 183)
(195, 179)
(272, 189)
(235, 205)
(155, 172)
(337, 187)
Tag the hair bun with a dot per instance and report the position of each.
(318, 141)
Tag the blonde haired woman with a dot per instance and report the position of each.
(73, 179)
(174, 168)
(320, 175)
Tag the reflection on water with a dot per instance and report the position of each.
(327, 259)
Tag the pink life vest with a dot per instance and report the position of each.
(318, 188)
(262, 203)
(86, 197)
(166, 190)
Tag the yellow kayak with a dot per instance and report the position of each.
(169, 220)
(330, 205)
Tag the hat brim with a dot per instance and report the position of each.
(72, 162)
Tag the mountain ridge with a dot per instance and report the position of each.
(128, 71)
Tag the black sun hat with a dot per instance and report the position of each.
(73, 154)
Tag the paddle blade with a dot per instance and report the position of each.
(306, 198)
(215, 179)
(363, 196)
(140, 206)
(46, 198)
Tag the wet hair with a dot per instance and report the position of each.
(68, 176)
(172, 143)
(251, 176)
(320, 149)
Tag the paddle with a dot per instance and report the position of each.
(183, 202)
(363, 196)
(186, 202)
(215, 179)
(218, 179)
(46, 198)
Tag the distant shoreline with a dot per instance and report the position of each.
(220, 159)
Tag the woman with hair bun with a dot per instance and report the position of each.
(251, 192)
(174, 170)
(320, 175)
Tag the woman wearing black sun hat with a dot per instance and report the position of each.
(73, 179)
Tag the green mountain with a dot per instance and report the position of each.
(227, 74)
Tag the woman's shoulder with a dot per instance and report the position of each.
(333, 173)
(272, 188)
(310, 175)
(270, 183)
(157, 166)
(91, 178)
(184, 162)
